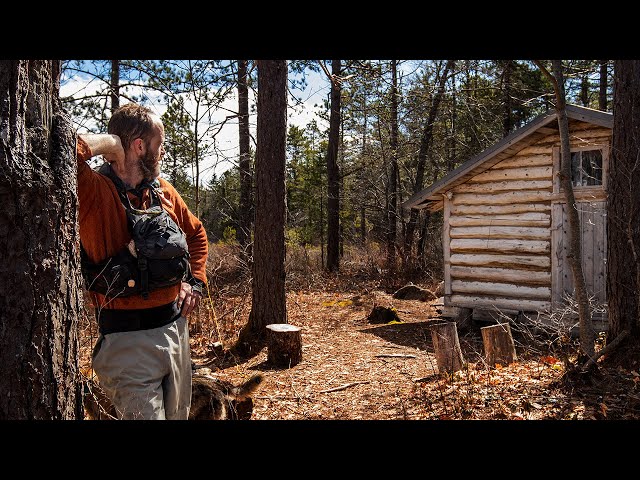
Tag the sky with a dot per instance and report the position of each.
(316, 91)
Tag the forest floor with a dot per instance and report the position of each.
(352, 369)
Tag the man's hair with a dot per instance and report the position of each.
(131, 121)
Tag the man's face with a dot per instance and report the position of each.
(150, 161)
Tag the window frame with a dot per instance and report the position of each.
(604, 149)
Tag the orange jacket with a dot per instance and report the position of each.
(104, 231)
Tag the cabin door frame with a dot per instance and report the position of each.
(591, 204)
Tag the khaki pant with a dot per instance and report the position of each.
(147, 373)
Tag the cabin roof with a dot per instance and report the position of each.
(541, 126)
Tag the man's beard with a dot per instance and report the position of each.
(149, 165)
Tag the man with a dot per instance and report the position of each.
(142, 296)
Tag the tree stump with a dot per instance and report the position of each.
(284, 344)
(498, 344)
(447, 347)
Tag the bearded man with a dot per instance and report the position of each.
(143, 260)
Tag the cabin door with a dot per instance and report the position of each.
(593, 237)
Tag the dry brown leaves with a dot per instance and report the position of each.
(353, 370)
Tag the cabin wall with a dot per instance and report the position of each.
(497, 232)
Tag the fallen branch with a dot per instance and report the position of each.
(606, 349)
(394, 355)
(281, 397)
(343, 387)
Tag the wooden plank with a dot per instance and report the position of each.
(600, 254)
(523, 160)
(505, 186)
(537, 149)
(472, 301)
(590, 133)
(586, 236)
(533, 262)
(583, 194)
(501, 290)
(557, 256)
(499, 209)
(521, 277)
(500, 246)
(446, 238)
(532, 219)
(566, 273)
(523, 233)
(532, 173)
(555, 155)
(594, 256)
(507, 198)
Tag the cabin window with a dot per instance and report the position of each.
(586, 168)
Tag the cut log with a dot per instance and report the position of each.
(493, 303)
(488, 274)
(501, 290)
(284, 344)
(447, 347)
(498, 344)
(518, 233)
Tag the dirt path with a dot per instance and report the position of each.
(350, 369)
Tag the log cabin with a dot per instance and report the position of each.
(504, 220)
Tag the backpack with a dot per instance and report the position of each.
(157, 257)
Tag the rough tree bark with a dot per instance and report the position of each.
(507, 119)
(333, 174)
(602, 97)
(284, 345)
(623, 204)
(446, 345)
(498, 344)
(268, 285)
(574, 254)
(392, 191)
(244, 224)
(40, 281)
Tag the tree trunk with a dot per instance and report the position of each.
(623, 202)
(498, 344)
(40, 281)
(574, 255)
(584, 90)
(115, 85)
(244, 224)
(425, 147)
(507, 119)
(333, 175)
(196, 159)
(602, 97)
(268, 284)
(451, 151)
(392, 212)
(363, 228)
(424, 232)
